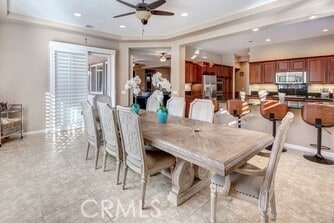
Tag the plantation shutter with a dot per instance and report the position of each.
(69, 89)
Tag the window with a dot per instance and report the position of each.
(97, 77)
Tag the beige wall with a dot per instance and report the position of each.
(240, 77)
(24, 66)
(301, 48)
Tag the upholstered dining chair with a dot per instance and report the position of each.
(202, 110)
(176, 106)
(251, 183)
(104, 98)
(135, 157)
(93, 133)
(112, 142)
(152, 103)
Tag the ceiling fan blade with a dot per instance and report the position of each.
(125, 3)
(156, 4)
(158, 12)
(125, 14)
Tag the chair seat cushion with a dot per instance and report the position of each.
(158, 160)
(242, 184)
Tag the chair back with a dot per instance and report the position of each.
(176, 106)
(311, 112)
(281, 97)
(269, 178)
(273, 107)
(109, 127)
(131, 137)
(202, 110)
(101, 98)
(242, 95)
(237, 107)
(152, 102)
(90, 123)
(263, 95)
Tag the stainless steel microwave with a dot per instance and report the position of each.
(291, 78)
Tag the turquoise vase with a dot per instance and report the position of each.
(162, 114)
(135, 107)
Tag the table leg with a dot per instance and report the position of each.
(187, 180)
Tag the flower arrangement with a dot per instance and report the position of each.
(164, 86)
(133, 85)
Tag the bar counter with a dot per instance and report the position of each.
(300, 134)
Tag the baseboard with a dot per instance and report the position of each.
(34, 132)
(307, 150)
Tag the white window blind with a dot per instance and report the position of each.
(70, 89)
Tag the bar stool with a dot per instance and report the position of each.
(319, 116)
(273, 111)
(238, 108)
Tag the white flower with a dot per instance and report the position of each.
(133, 84)
(162, 83)
(136, 91)
(160, 96)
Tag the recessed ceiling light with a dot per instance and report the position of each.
(77, 14)
(313, 17)
(196, 52)
(325, 30)
(122, 26)
(204, 57)
(255, 29)
(184, 14)
(268, 40)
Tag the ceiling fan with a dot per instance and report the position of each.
(164, 58)
(144, 10)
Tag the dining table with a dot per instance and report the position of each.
(201, 149)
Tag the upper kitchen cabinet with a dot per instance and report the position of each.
(316, 70)
(255, 73)
(298, 65)
(283, 65)
(191, 72)
(330, 70)
(227, 71)
(291, 65)
(269, 72)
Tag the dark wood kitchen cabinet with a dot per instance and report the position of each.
(191, 73)
(291, 65)
(269, 72)
(255, 73)
(316, 70)
(298, 65)
(330, 70)
(227, 71)
(283, 65)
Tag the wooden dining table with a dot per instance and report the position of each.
(201, 149)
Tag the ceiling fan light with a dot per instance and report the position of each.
(163, 58)
(143, 16)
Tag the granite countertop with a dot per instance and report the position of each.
(295, 98)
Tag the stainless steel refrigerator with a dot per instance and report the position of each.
(209, 87)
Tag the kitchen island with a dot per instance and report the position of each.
(300, 134)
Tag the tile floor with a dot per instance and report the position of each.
(45, 178)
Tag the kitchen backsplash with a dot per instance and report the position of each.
(315, 88)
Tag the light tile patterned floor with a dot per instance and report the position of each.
(45, 178)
